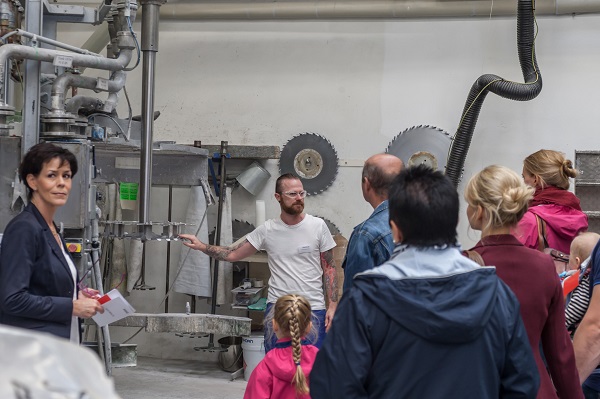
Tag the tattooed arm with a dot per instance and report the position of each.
(232, 253)
(331, 285)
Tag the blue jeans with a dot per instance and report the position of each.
(318, 320)
(589, 393)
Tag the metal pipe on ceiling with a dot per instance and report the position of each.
(193, 10)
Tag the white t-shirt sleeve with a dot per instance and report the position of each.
(257, 237)
(326, 241)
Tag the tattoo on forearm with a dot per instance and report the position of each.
(331, 281)
(221, 253)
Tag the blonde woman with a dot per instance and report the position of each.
(548, 172)
(283, 373)
(497, 199)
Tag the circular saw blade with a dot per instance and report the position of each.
(423, 144)
(312, 158)
(333, 229)
(239, 229)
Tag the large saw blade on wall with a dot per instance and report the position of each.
(422, 144)
(312, 158)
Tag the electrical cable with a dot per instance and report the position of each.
(109, 117)
(130, 114)
(137, 46)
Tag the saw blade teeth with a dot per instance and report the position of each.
(318, 177)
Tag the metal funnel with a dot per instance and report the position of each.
(254, 178)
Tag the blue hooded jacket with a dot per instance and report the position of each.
(429, 323)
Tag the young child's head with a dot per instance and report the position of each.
(292, 318)
(581, 248)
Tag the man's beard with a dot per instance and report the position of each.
(295, 209)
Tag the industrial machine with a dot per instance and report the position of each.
(108, 148)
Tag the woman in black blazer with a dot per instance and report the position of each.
(38, 280)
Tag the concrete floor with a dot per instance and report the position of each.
(175, 379)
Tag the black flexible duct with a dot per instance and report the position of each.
(507, 89)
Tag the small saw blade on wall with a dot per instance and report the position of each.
(312, 158)
(333, 229)
(239, 229)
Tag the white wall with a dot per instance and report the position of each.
(359, 83)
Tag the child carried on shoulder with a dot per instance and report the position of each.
(578, 299)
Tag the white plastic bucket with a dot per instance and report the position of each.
(253, 348)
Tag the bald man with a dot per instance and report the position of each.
(371, 242)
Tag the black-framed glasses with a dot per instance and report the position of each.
(294, 194)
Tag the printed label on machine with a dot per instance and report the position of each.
(63, 61)
(102, 84)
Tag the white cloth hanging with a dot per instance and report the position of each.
(225, 281)
(194, 277)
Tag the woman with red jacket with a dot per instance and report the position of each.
(548, 172)
(497, 198)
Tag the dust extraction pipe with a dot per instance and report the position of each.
(193, 10)
(511, 90)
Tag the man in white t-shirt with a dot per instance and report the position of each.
(300, 253)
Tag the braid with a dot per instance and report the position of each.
(299, 378)
(293, 315)
(295, 332)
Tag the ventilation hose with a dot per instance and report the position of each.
(512, 90)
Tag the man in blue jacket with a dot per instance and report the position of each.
(371, 241)
(429, 323)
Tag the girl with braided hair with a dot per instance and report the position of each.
(284, 371)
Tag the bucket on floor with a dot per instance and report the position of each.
(254, 351)
(232, 359)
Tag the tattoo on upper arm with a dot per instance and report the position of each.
(327, 259)
(330, 273)
(239, 245)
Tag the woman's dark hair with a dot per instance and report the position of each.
(40, 154)
(424, 205)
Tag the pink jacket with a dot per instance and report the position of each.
(272, 377)
(563, 224)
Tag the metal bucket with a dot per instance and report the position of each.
(232, 359)
(253, 178)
